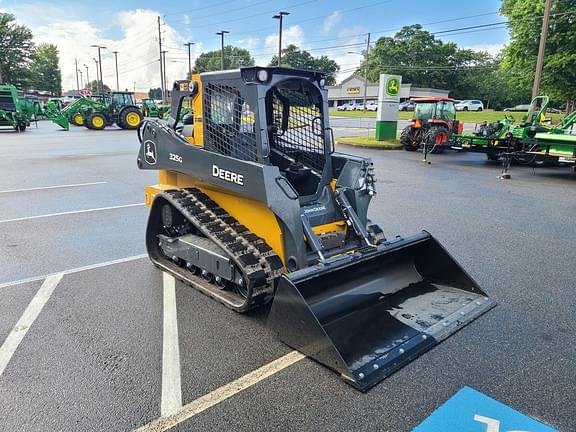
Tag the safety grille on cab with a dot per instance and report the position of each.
(229, 123)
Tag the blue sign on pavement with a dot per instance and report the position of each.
(471, 411)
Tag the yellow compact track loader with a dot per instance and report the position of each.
(254, 205)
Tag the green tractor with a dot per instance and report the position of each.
(151, 109)
(119, 108)
(11, 112)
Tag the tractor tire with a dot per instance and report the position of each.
(130, 118)
(21, 127)
(407, 139)
(77, 120)
(492, 156)
(95, 121)
(436, 138)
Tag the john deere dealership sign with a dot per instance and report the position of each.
(388, 98)
(353, 90)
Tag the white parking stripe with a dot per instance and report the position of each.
(30, 314)
(171, 389)
(73, 270)
(53, 187)
(70, 212)
(221, 394)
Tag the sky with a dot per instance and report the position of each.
(335, 28)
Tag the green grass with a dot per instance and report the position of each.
(364, 141)
(465, 116)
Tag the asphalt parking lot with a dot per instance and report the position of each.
(72, 224)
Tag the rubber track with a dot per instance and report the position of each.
(259, 264)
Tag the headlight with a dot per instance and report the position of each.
(262, 75)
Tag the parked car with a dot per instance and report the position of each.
(351, 107)
(470, 105)
(343, 107)
(406, 106)
(554, 110)
(359, 107)
(372, 106)
(521, 107)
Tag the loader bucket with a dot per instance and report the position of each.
(61, 121)
(367, 316)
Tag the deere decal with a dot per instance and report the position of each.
(392, 86)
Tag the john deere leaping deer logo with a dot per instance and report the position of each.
(150, 152)
(392, 86)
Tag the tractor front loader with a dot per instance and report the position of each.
(254, 205)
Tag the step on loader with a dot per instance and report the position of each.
(254, 205)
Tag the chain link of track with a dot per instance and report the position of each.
(259, 264)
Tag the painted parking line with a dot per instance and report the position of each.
(53, 187)
(71, 212)
(171, 400)
(221, 394)
(73, 270)
(14, 338)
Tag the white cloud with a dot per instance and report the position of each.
(492, 49)
(137, 45)
(248, 43)
(293, 35)
(331, 21)
(349, 62)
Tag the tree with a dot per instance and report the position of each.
(15, 50)
(425, 61)
(95, 87)
(519, 59)
(44, 70)
(234, 58)
(293, 57)
(155, 93)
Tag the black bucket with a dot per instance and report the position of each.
(366, 316)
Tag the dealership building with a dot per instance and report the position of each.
(352, 90)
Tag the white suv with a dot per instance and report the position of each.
(470, 105)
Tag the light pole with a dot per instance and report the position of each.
(77, 83)
(87, 76)
(221, 34)
(365, 69)
(100, 47)
(280, 17)
(188, 44)
(81, 82)
(97, 74)
(116, 60)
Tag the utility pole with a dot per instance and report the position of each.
(101, 81)
(161, 63)
(116, 60)
(279, 17)
(221, 34)
(78, 71)
(188, 44)
(366, 70)
(87, 76)
(163, 59)
(541, 50)
(77, 83)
